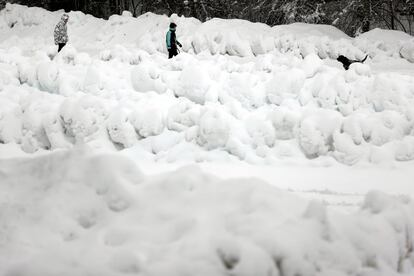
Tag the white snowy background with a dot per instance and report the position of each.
(115, 160)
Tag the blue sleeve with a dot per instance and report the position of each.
(169, 39)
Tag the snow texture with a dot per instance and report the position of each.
(79, 213)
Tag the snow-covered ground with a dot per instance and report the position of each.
(115, 160)
(80, 213)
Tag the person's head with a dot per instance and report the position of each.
(65, 18)
(173, 26)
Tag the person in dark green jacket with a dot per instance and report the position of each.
(172, 41)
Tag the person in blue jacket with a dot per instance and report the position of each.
(172, 41)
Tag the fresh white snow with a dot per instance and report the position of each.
(253, 152)
(79, 213)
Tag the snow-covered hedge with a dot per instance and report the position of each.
(215, 104)
(216, 36)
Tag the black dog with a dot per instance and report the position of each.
(346, 62)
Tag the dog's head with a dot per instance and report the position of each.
(342, 59)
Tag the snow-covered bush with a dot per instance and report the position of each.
(345, 149)
(311, 65)
(261, 131)
(27, 74)
(93, 82)
(83, 118)
(68, 54)
(285, 122)
(407, 51)
(23, 16)
(33, 133)
(285, 85)
(54, 131)
(120, 130)
(10, 121)
(213, 128)
(243, 87)
(381, 128)
(83, 59)
(194, 84)
(48, 77)
(146, 77)
(182, 115)
(120, 53)
(316, 131)
(148, 121)
(405, 149)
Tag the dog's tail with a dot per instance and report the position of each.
(365, 58)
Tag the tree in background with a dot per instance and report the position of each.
(356, 16)
(351, 16)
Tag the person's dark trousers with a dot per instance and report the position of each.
(172, 53)
(61, 45)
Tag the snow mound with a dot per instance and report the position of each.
(407, 50)
(305, 30)
(387, 36)
(216, 36)
(193, 84)
(75, 212)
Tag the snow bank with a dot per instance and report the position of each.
(305, 30)
(407, 51)
(75, 212)
(387, 37)
(216, 36)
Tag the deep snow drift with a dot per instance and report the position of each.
(77, 213)
(277, 93)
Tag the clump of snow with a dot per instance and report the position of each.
(407, 51)
(121, 130)
(213, 129)
(83, 118)
(285, 85)
(405, 149)
(261, 131)
(182, 115)
(316, 132)
(148, 121)
(389, 38)
(126, 14)
(306, 30)
(285, 122)
(10, 122)
(93, 79)
(194, 84)
(146, 77)
(48, 75)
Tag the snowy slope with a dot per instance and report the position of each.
(78, 213)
